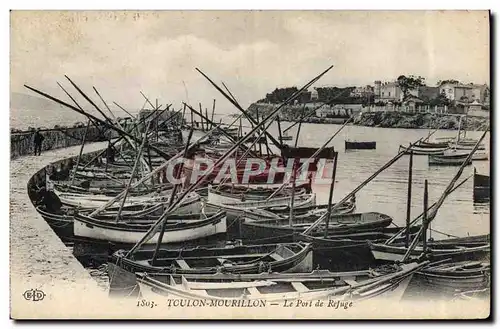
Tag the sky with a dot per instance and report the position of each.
(252, 52)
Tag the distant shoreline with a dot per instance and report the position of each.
(394, 119)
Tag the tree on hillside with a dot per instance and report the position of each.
(280, 94)
(450, 81)
(440, 100)
(411, 82)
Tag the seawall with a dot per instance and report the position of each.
(21, 143)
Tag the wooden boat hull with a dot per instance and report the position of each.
(339, 224)
(279, 258)
(424, 151)
(353, 145)
(388, 286)
(456, 276)
(431, 145)
(62, 225)
(191, 204)
(450, 160)
(289, 152)
(437, 252)
(237, 209)
(481, 190)
(123, 233)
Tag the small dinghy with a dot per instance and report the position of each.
(360, 145)
(456, 276)
(481, 192)
(456, 249)
(449, 160)
(423, 150)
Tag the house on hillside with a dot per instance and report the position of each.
(362, 92)
(314, 95)
(425, 93)
(466, 93)
(387, 92)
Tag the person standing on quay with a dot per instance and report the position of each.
(37, 141)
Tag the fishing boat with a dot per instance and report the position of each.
(238, 208)
(290, 152)
(225, 193)
(220, 289)
(449, 159)
(481, 190)
(191, 204)
(466, 146)
(423, 150)
(61, 222)
(360, 145)
(254, 228)
(477, 156)
(456, 276)
(286, 257)
(126, 232)
(456, 249)
(283, 212)
(286, 137)
(107, 189)
(432, 145)
(241, 174)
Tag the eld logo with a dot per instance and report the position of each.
(34, 295)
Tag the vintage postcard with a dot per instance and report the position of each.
(250, 165)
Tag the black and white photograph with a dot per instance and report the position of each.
(250, 164)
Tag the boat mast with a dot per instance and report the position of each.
(425, 222)
(408, 201)
(201, 119)
(279, 130)
(80, 154)
(132, 174)
(292, 199)
(171, 199)
(298, 130)
(213, 111)
(258, 139)
(330, 197)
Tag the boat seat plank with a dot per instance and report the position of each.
(253, 291)
(276, 257)
(224, 262)
(351, 281)
(299, 286)
(182, 264)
